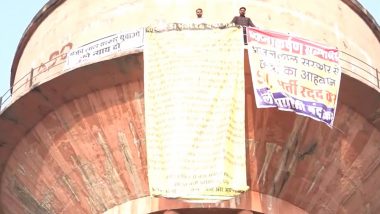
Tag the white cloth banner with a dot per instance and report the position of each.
(127, 42)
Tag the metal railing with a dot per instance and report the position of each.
(29, 80)
(349, 64)
(362, 66)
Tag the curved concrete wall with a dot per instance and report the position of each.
(75, 23)
(88, 154)
(82, 147)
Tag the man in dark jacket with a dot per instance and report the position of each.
(243, 21)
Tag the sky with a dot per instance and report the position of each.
(15, 17)
(17, 14)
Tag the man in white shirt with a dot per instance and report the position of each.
(199, 19)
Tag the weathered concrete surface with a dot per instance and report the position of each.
(319, 169)
(85, 150)
(250, 200)
(74, 143)
(79, 22)
(18, 119)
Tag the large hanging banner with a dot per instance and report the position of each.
(194, 112)
(294, 74)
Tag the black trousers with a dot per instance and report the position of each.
(245, 35)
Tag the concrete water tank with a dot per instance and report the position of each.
(74, 141)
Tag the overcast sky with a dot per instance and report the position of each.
(16, 15)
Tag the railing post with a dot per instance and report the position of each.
(31, 78)
(377, 78)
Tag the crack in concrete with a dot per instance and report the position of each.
(67, 181)
(270, 148)
(128, 162)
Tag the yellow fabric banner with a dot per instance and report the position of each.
(194, 112)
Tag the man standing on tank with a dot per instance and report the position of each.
(243, 21)
(199, 19)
